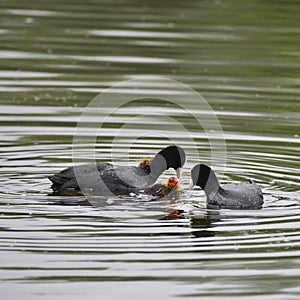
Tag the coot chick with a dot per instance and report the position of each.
(169, 190)
(145, 165)
(243, 195)
(102, 178)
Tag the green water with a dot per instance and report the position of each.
(241, 56)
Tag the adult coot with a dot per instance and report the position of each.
(243, 195)
(169, 190)
(100, 177)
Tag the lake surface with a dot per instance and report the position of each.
(241, 56)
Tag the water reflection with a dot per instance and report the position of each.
(163, 35)
(186, 213)
(56, 57)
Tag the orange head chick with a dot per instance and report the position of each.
(144, 164)
(171, 183)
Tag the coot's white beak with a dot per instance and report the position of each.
(191, 185)
(179, 172)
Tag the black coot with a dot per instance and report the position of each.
(101, 177)
(243, 195)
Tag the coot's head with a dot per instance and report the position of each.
(174, 157)
(200, 174)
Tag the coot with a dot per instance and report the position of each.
(100, 177)
(243, 195)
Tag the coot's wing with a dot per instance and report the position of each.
(100, 177)
(68, 178)
(126, 178)
(243, 195)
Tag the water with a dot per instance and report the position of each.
(242, 57)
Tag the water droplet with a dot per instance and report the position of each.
(110, 201)
(28, 20)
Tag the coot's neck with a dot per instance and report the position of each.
(212, 185)
(157, 166)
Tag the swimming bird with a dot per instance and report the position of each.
(243, 195)
(169, 190)
(101, 177)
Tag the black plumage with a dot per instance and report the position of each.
(243, 195)
(100, 177)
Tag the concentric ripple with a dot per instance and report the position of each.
(56, 57)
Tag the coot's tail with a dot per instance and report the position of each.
(63, 179)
